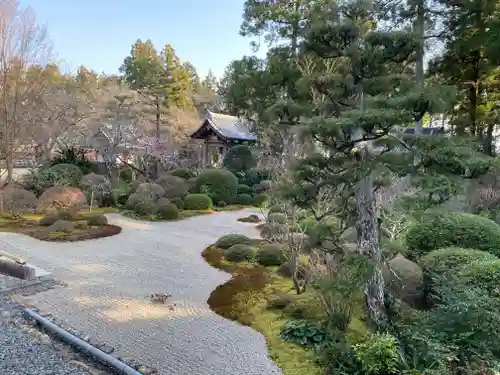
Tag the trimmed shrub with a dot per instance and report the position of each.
(151, 191)
(136, 198)
(277, 208)
(225, 242)
(484, 275)
(17, 200)
(221, 204)
(183, 173)
(218, 184)
(145, 208)
(97, 184)
(178, 202)
(173, 186)
(458, 229)
(67, 215)
(270, 255)
(61, 197)
(258, 189)
(126, 174)
(273, 231)
(239, 253)
(61, 226)
(449, 260)
(260, 200)
(66, 174)
(197, 202)
(243, 189)
(48, 220)
(167, 211)
(97, 220)
(191, 185)
(243, 199)
(239, 158)
(277, 217)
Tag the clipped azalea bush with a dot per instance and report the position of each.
(260, 200)
(136, 198)
(61, 197)
(197, 202)
(97, 220)
(184, 173)
(179, 202)
(66, 174)
(239, 253)
(270, 256)
(243, 189)
(218, 184)
(277, 217)
(243, 199)
(484, 275)
(173, 186)
(225, 242)
(150, 190)
(145, 208)
(450, 260)
(452, 229)
(18, 200)
(167, 211)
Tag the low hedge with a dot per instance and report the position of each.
(243, 199)
(167, 211)
(270, 255)
(197, 202)
(239, 253)
(225, 242)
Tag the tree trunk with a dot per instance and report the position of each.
(368, 244)
(488, 140)
(158, 114)
(9, 164)
(420, 32)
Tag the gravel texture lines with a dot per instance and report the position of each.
(109, 281)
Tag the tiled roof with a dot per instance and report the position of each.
(230, 127)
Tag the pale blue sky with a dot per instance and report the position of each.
(99, 33)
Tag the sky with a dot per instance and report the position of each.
(99, 33)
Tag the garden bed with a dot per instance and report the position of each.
(244, 298)
(28, 224)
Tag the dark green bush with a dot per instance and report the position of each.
(244, 189)
(221, 204)
(243, 199)
(260, 200)
(136, 198)
(184, 173)
(197, 202)
(239, 253)
(218, 184)
(178, 202)
(66, 174)
(439, 230)
(279, 301)
(449, 260)
(145, 208)
(304, 333)
(225, 242)
(269, 256)
(239, 158)
(484, 275)
(48, 220)
(277, 208)
(167, 211)
(97, 220)
(126, 174)
(378, 354)
(277, 217)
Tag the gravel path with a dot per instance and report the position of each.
(26, 351)
(110, 280)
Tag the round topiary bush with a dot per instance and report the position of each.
(484, 275)
(178, 202)
(277, 208)
(269, 256)
(277, 217)
(167, 211)
(66, 174)
(96, 187)
(243, 189)
(145, 208)
(239, 158)
(61, 226)
(243, 199)
(197, 202)
(225, 242)
(183, 173)
(173, 186)
(218, 184)
(266, 184)
(136, 198)
(97, 220)
(48, 220)
(449, 260)
(17, 200)
(260, 200)
(439, 230)
(61, 197)
(221, 204)
(151, 191)
(239, 253)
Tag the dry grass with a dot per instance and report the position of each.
(245, 297)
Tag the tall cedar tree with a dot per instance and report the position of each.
(357, 137)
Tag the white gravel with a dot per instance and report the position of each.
(25, 351)
(109, 282)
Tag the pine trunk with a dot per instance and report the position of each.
(368, 244)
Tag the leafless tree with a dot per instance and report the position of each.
(24, 43)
